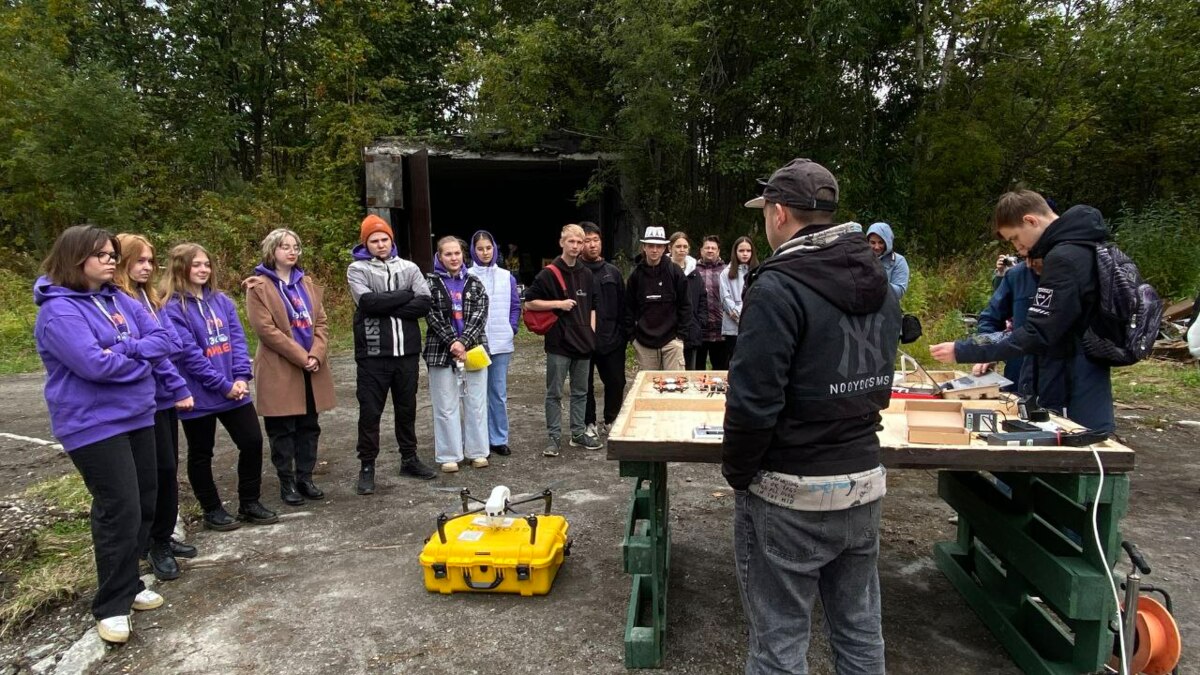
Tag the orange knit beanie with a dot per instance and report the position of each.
(372, 224)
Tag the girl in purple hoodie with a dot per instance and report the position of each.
(215, 364)
(100, 350)
(135, 276)
(457, 323)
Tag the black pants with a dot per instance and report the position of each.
(120, 475)
(166, 452)
(689, 358)
(718, 352)
(730, 345)
(611, 367)
(201, 434)
(294, 438)
(376, 377)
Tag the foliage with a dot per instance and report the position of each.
(1164, 240)
(217, 120)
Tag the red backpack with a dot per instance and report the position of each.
(539, 322)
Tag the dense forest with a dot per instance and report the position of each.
(225, 117)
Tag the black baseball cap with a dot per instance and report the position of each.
(797, 185)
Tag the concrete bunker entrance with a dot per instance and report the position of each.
(523, 199)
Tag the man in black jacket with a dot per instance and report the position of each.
(1062, 377)
(813, 368)
(609, 357)
(658, 314)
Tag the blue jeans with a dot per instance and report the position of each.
(784, 559)
(558, 368)
(459, 413)
(497, 402)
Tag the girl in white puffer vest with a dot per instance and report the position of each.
(504, 316)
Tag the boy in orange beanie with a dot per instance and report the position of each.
(390, 294)
(372, 224)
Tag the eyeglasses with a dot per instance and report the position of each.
(107, 257)
(288, 248)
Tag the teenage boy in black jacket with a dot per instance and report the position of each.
(571, 341)
(1064, 379)
(609, 357)
(658, 314)
(390, 295)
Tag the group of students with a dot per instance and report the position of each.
(129, 360)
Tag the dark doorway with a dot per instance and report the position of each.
(521, 202)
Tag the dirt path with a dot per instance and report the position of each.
(336, 587)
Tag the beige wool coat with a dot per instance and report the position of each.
(279, 360)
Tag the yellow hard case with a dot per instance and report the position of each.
(479, 558)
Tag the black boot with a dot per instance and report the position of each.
(309, 489)
(220, 520)
(288, 492)
(255, 512)
(182, 550)
(366, 479)
(413, 468)
(162, 563)
(500, 450)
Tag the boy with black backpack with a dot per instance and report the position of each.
(1065, 308)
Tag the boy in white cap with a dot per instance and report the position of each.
(659, 313)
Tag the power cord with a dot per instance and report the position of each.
(1124, 668)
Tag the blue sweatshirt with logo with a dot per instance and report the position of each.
(214, 352)
(99, 349)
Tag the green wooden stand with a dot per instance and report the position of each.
(647, 556)
(1026, 562)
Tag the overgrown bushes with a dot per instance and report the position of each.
(1164, 241)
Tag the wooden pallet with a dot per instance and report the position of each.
(1026, 561)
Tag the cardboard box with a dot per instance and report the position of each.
(936, 422)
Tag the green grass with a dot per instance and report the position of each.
(1154, 382)
(60, 566)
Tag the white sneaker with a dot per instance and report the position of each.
(591, 429)
(449, 467)
(147, 599)
(479, 462)
(114, 629)
(602, 429)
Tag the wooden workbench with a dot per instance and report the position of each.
(1019, 532)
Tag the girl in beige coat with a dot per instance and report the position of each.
(293, 383)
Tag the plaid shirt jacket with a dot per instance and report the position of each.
(440, 332)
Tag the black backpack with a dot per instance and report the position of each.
(1129, 312)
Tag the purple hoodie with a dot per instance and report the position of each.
(296, 301)
(214, 352)
(454, 285)
(99, 348)
(360, 252)
(170, 386)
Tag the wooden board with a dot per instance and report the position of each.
(658, 427)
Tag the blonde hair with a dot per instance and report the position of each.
(462, 245)
(571, 228)
(274, 240)
(179, 268)
(133, 246)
